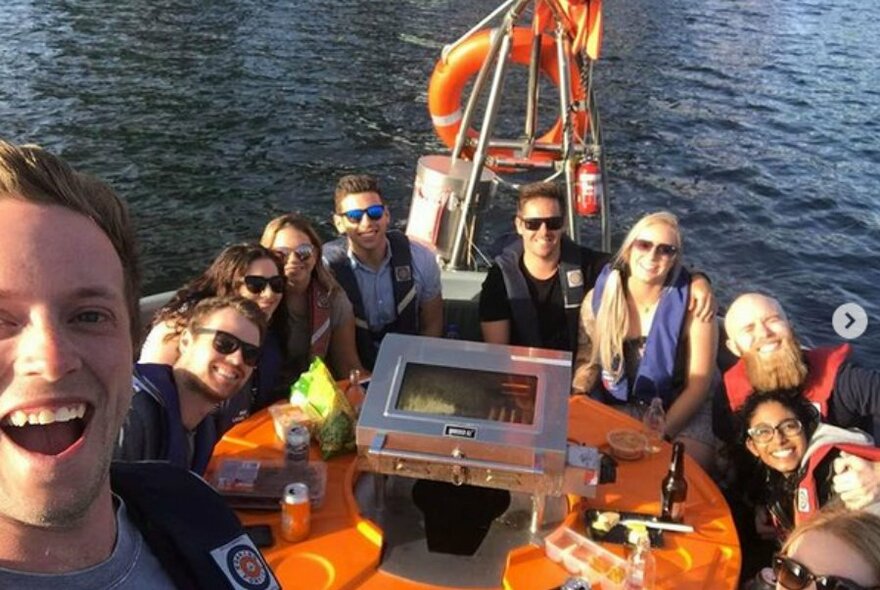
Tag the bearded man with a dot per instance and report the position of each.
(771, 358)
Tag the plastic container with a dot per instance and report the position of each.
(582, 557)
(285, 415)
(627, 444)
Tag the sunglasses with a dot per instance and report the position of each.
(764, 433)
(795, 576)
(257, 284)
(664, 250)
(225, 343)
(302, 252)
(535, 223)
(374, 212)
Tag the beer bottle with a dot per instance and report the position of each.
(673, 491)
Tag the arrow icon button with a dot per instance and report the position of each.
(850, 321)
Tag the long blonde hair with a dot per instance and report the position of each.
(612, 320)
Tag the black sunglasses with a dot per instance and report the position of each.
(535, 223)
(795, 576)
(226, 343)
(665, 250)
(256, 284)
(302, 252)
(374, 212)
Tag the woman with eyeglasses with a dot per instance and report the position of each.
(836, 550)
(805, 464)
(250, 271)
(639, 338)
(318, 315)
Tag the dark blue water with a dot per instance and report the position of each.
(754, 121)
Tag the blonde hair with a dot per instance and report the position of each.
(859, 529)
(300, 223)
(612, 319)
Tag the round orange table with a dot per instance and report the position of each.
(343, 549)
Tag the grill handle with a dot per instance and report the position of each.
(376, 450)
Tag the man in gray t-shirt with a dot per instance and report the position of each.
(68, 319)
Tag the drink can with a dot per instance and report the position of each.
(296, 445)
(296, 513)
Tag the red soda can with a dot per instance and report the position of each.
(296, 513)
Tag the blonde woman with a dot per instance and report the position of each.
(638, 339)
(838, 549)
(319, 316)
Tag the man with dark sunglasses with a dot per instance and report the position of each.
(169, 416)
(393, 283)
(532, 294)
(69, 289)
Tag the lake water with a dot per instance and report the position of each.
(755, 122)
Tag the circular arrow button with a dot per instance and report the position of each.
(850, 321)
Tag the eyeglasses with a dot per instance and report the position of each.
(764, 433)
(302, 252)
(664, 250)
(535, 223)
(225, 343)
(256, 284)
(374, 212)
(795, 576)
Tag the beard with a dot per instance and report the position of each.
(194, 384)
(784, 368)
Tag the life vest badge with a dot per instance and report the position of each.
(243, 565)
(803, 500)
(575, 278)
(402, 274)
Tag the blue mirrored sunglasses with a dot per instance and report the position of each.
(374, 212)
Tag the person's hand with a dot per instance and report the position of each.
(702, 300)
(764, 524)
(856, 481)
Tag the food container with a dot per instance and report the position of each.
(627, 444)
(285, 415)
(582, 557)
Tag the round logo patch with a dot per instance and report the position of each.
(247, 567)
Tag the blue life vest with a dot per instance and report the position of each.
(655, 376)
(406, 301)
(524, 316)
(157, 382)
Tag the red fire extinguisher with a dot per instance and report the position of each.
(588, 188)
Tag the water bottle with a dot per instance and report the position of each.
(641, 567)
(654, 421)
(355, 393)
(452, 332)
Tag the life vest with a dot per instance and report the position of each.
(806, 501)
(157, 382)
(403, 283)
(656, 373)
(822, 366)
(190, 529)
(524, 316)
(453, 72)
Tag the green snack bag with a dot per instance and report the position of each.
(317, 391)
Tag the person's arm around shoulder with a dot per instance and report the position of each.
(702, 341)
(342, 352)
(702, 300)
(584, 375)
(160, 346)
(494, 308)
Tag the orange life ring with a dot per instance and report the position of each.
(450, 77)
